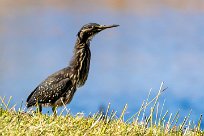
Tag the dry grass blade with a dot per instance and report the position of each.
(20, 123)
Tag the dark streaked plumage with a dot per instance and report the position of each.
(59, 88)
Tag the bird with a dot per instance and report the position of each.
(59, 88)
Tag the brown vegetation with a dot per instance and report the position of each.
(135, 6)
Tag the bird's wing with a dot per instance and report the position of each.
(50, 90)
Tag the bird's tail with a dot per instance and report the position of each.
(30, 100)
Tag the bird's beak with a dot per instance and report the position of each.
(102, 27)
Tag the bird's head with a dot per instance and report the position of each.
(87, 32)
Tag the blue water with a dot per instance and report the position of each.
(126, 61)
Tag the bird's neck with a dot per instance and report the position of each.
(80, 62)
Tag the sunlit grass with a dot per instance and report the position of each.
(144, 122)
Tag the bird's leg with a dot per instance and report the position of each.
(39, 108)
(54, 110)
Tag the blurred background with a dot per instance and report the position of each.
(158, 40)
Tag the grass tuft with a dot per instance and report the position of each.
(149, 120)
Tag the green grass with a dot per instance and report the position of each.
(157, 122)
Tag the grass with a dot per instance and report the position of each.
(155, 122)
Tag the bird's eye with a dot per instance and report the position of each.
(90, 27)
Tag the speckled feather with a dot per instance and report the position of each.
(51, 89)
